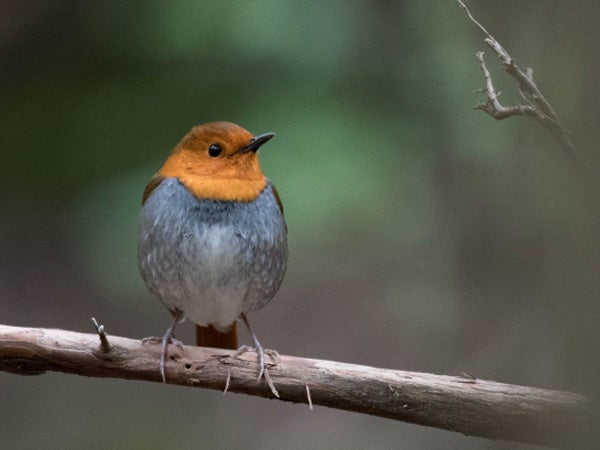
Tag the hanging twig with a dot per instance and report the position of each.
(536, 105)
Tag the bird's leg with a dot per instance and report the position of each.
(258, 349)
(168, 338)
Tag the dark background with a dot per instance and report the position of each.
(424, 235)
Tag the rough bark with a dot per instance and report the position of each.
(462, 404)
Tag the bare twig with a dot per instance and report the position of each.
(102, 334)
(469, 406)
(493, 106)
(537, 106)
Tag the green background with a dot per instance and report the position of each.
(423, 235)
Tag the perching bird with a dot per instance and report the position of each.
(213, 240)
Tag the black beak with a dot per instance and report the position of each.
(256, 142)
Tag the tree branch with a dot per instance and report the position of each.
(463, 404)
(536, 106)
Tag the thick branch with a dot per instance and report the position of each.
(537, 106)
(463, 404)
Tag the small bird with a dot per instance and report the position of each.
(212, 237)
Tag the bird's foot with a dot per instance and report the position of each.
(159, 339)
(168, 338)
(263, 370)
(272, 354)
(165, 340)
(258, 349)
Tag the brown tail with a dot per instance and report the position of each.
(210, 337)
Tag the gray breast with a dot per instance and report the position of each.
(211, 259)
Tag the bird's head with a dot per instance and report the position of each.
(218, 161)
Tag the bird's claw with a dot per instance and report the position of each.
(159, 340)
(273, 355)
(164, 341)
(163, 355)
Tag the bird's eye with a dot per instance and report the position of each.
(214, 150)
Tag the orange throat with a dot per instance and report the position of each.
(236, 178)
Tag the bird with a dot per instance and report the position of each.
(212, 237)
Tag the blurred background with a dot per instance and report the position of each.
(423, 235)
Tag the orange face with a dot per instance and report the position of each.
(218, 161)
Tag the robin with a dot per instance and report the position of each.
(212, 237)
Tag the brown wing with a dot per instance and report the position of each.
(278, 203)
(153, 184)
(277, 198)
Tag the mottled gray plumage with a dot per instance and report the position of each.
(213, 260)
